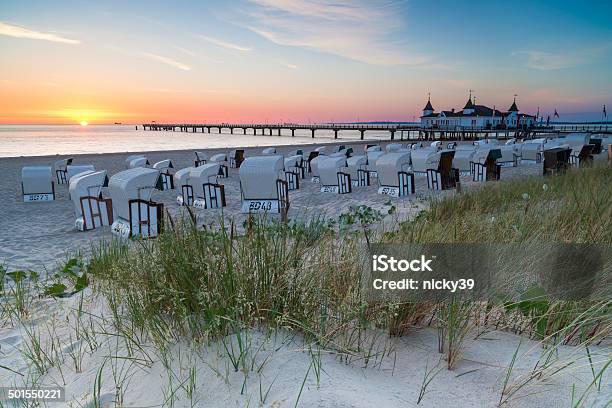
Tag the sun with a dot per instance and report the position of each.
(84, 123)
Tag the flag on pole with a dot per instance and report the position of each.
(556, 114)
(604, 112)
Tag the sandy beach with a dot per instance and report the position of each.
(38, 235)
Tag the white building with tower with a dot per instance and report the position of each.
(475, 116)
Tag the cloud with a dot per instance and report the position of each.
(22, 32)
(225, 44)
(549, 61)
(166, 60)
(290, 66)
(365, 31)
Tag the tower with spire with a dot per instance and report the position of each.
(428, 109)
(469, 107)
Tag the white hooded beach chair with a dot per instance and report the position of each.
(509, 156)
(138, 162)
(484, 164)
(394, 177)
(221, 159)
(204, 187)
(132, 157)
(134, 213)
(581, 148)
(314, 167)
(438, 166)
(269, 150)
(531, 151)
(181, 181)
(60, 170)
(437, 145)
(393, 147)
(200, 158)
(165, 168)
(333, 175)
(262, 185)
(236, 157)
(463, 158)
(73, 170)
(373, 148)
(357, 169)
(37, 184)
(91, 209)
(372, 157)
(293, 171)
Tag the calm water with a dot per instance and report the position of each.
(42, 140)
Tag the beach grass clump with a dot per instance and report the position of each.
(208, 283)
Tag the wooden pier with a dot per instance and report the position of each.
(404, 131)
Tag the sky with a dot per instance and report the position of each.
(301, 61)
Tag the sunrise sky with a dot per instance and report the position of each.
(297, 60)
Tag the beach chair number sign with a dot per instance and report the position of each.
(30, 198)
(406, 186)
(343, 186)
(280, 205)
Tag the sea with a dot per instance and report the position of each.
(45, 140)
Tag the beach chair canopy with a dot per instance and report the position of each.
(132, 184)
(577, 139)
(314, 164)
(219, 157)
(163, 165)
(355, 163)
(37, 180)
(415, 146)
(328, 169)
(530, 151)
(269, 150)
(85, 184)
(73, 170)
(296, 152)
(373, 157)
(393, 147)
(374, 149)
(507, 153)
(258, 176)
(510, 141)
(485, 153)
(321, 149)
(132, 157)
(201, 156)
(436, 145)
(389, 165)
(424, 159)
(198, 176)
(291, 162)
(138, 162)
(181, 177)
(62, 164)
(463, 158)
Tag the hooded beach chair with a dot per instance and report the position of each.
(293, 171)
(394, 175)
(269, 150)
(333, 175)
(393, 147)
(373, 148)
(372, 157)
(138, 162)
(314, 167)
(484, 164)
(531, 151)
(463, 158)
(75, 169)
(582, 149)
(37, 184)
(556, 159)
(165, 168)
(205, 188)
(357, 169)
(509, 156)
(181, 181)
(91, 209)
(221, 159)
(131, 158)
(60, 170)
(200, 158)
(134, 212)
(437, 145)
(236, 157)
(438, 166)
(262, 185)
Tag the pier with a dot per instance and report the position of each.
(402, 131)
